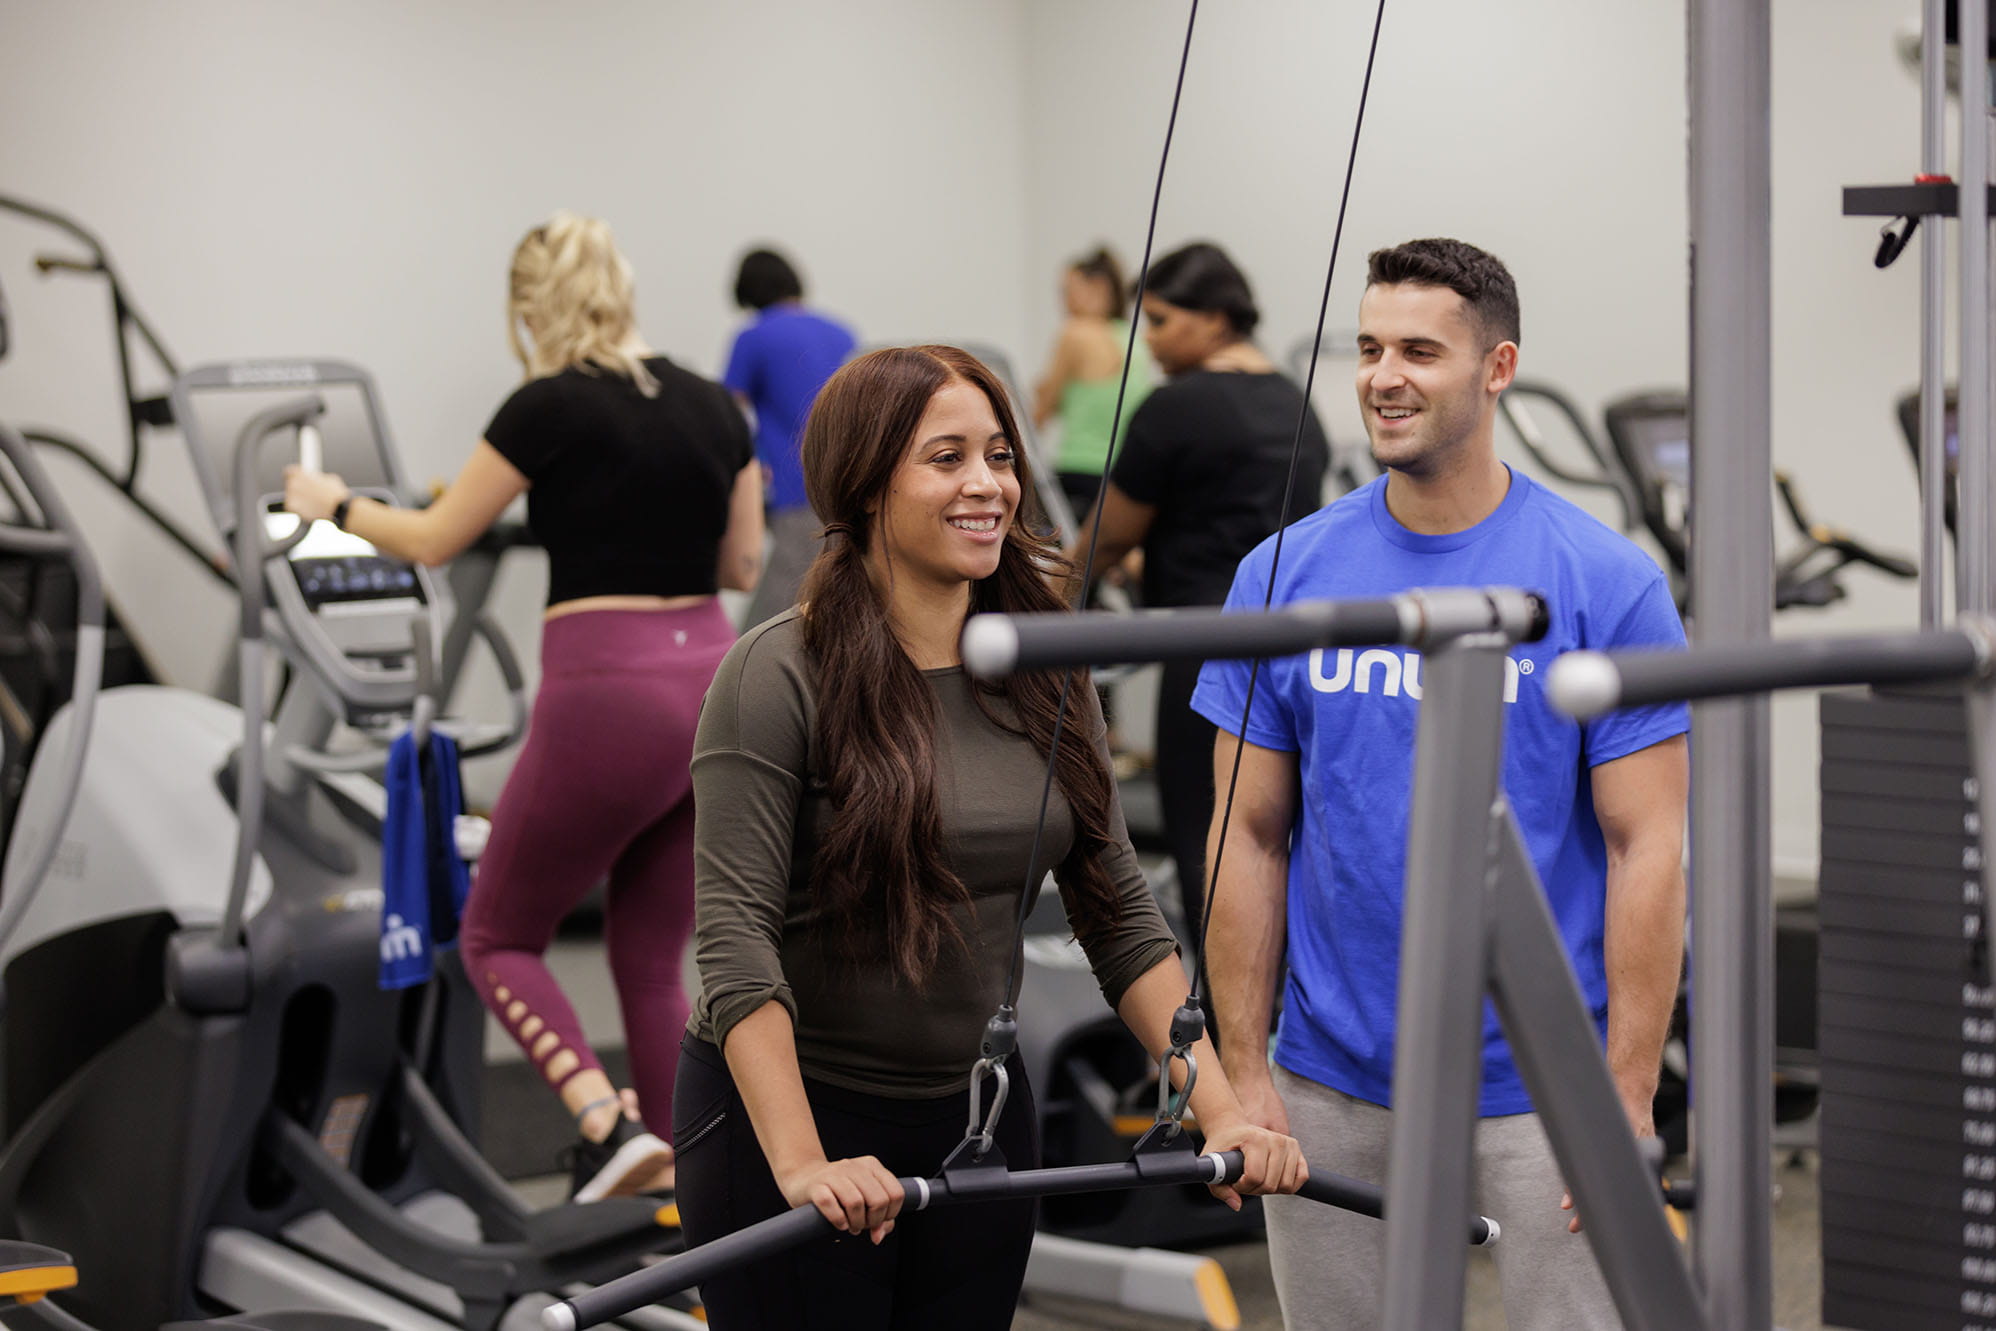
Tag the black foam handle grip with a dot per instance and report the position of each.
(744, 1247)
(1350, 1194)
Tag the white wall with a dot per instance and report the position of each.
(349, 180)
(1551, 132)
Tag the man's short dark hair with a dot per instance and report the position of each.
(766, 279)
(1480, 278)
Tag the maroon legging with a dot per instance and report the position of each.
(600, 791)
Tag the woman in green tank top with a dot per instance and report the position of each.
(1085, 374)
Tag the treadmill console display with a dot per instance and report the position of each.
(333, 565)
(1664, 443)
(1673, 460)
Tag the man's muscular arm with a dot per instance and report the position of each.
(1249, 888)
(1639, 800)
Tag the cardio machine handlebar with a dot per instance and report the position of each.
(1588, 684)
(1837, 539)
(253, 547)
(997, 645)
(59, 538)
(767, 1238)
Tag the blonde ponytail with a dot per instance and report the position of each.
(573, 290)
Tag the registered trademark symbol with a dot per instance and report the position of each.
(1526, 666)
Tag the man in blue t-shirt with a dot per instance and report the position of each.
(1316, 850)
(776, 367)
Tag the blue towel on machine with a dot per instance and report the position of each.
(423, 879)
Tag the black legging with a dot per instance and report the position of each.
(1185, 783)
(958, 1268)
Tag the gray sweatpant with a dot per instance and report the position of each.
(793, 545)
(1330, 1265)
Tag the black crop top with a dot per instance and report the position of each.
(629, 493)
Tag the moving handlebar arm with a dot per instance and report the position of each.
(1587, 684)
(996, 645)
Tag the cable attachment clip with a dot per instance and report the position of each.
(1001, 1039)
(979, 1136)
(1188, 1025)
(1001, 1035)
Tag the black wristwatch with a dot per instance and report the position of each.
(340, 512)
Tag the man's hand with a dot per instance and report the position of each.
(1637, 1104)
(1261, 1103)
(1638, 1095)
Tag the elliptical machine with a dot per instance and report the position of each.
(29, 1273)
(209, 1100)
(1651, 434)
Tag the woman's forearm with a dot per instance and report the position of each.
(402, 533)
(1147, 1008)
(761, 1052)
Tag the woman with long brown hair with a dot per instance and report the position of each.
(865, 812)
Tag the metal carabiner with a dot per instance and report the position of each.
(1171, 1104)
(983, 1134)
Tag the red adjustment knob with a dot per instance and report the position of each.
(1925, 178)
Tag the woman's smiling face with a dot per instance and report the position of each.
(953, 498)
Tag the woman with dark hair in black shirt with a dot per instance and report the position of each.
(1198, 483)
(643, 488)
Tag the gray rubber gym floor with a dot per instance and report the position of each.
(1797, 1252)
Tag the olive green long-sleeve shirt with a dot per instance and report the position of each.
(761, 806)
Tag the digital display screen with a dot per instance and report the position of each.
(333, 565)
(1673, 460)
(1662, 448)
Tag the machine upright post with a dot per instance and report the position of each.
(1444, 965)
(1933, 325)
(1732, 595)
(1973, 508)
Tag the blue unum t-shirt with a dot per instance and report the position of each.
(779, 363)
(1350, 716)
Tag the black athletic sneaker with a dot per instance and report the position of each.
(618, 1166)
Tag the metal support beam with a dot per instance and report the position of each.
(1933, 325)
(1973, 590)
(1444, 960)
(1559, 1055)
(1732, 562)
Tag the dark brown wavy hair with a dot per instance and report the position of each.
(876, 713)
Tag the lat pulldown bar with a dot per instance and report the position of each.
(778, 1234)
